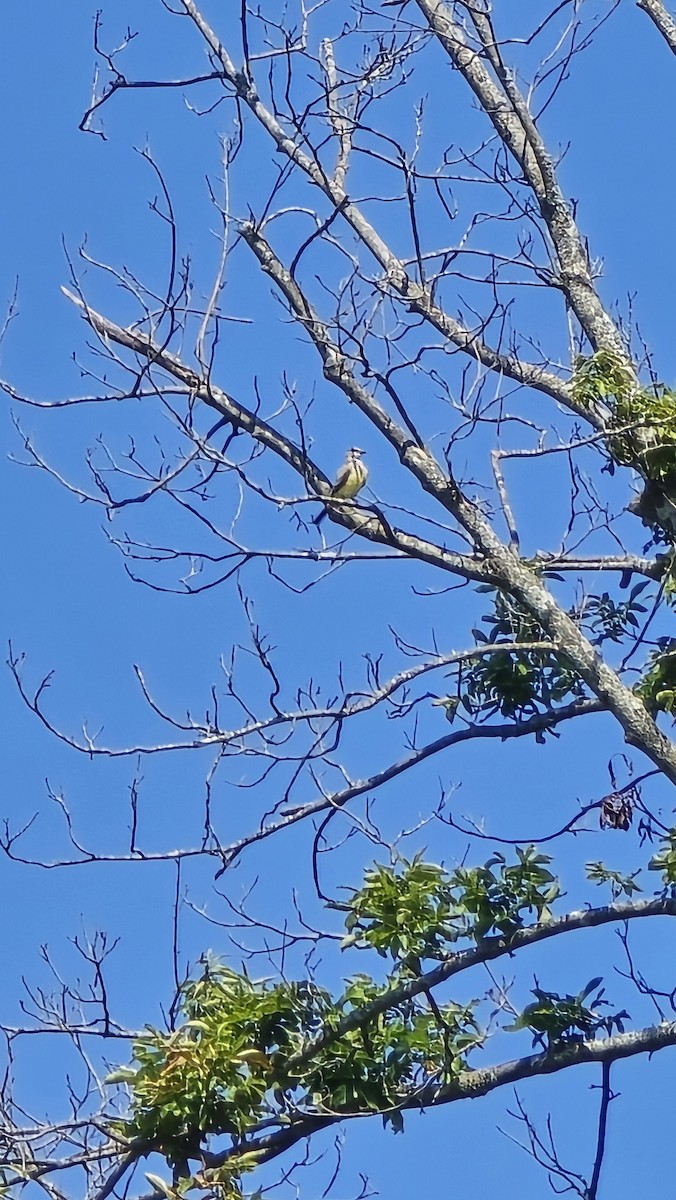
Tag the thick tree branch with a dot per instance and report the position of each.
(471, 1085)
(508, 111)
(487, 950)
(623, 1045)
(248, 422)
(503, 561)
(661, 19)
(416, 297)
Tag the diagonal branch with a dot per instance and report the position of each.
(416, 297)
(661, 19)
(244, 420)
(472, 1084)
(486, 951)
(623, 1045)
(514, 575)
(508, 111)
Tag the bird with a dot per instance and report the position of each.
(350, 479)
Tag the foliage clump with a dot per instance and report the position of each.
(645, 424)
(601, 375)
(229, 1064)
(609, 620)
(211, 1074)
(239, 1054)
(665, 860)
(557, 1019)
(620, 884)
(249, 1055)
(521, 683)
(649, 439)
(416, 910)
(657, 688)
(514, 683)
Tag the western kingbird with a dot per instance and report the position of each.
(350, 479)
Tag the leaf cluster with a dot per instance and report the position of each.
(657, 688)
(558, 1019)
(608, 620)
(642, 422)
(380, 1064)
(213, 1073)
(416, 910)
(645, 418)
(601, 375)
(246, 1054)
(515, 683)
(665, 859)
(520, 683)
(620, 885)
(224, 1070)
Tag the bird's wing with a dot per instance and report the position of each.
(342, 477)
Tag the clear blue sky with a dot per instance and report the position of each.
(67, 602)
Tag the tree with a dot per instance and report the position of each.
(491, 610)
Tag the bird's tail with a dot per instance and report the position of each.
(318, 519)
